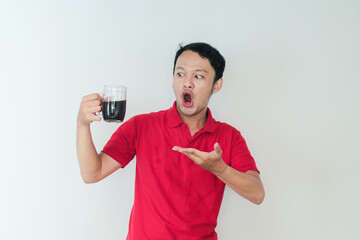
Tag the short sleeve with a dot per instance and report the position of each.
(121, 145)
(241, 158)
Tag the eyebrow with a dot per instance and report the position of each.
(196, 70)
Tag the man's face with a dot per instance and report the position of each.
(193, 83)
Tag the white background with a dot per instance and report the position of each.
(291, 86)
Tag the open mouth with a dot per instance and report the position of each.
(187, 99)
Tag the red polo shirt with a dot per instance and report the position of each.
(174, 197)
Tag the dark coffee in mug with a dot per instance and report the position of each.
(114, 111)
(114, 103)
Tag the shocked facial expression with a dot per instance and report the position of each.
(193, 83)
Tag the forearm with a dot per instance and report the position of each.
(89, 160)
(247, 185)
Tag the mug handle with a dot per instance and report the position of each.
(102, 99)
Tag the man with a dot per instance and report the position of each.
(184, 157)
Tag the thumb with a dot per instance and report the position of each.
(217, 148)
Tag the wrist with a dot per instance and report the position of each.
(81, 125)
(221, 169)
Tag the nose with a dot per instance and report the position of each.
(188, 83)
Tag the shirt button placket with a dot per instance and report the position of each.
(187, 132)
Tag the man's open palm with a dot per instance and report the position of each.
(211, 161)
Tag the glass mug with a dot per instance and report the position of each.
(114, 103)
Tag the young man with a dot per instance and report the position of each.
(184, 157)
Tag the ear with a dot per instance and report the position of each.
(217, 86)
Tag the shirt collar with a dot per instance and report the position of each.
(173, 119)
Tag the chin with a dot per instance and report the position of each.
(186, 110)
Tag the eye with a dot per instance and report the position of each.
(180, 74)
(198, 76)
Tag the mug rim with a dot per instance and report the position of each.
(114, 85)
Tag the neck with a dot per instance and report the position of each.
(195, 122)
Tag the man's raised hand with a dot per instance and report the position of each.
(90, 105)
(211, 161)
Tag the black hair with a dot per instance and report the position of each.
(216, 60)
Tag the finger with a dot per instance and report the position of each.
(93, 103)
(94, 109)
(195, 154)
(189, 154)
(176, 148)
(192, 151)
(185, 151)
(95, 118)
(217, 148)
(91, 118)
(181, 150)
(92, 96)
